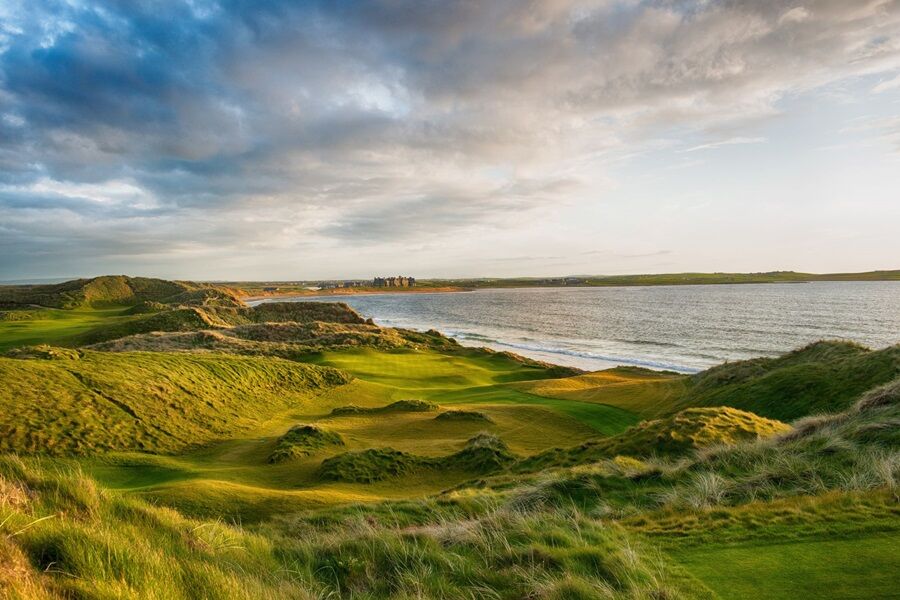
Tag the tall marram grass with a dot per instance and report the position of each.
(856, 450)
(62, 536)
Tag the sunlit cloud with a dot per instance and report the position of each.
(292, 129)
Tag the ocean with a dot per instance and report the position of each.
(680, 328)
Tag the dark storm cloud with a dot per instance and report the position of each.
(388, 117)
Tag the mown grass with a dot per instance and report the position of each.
(640, 391)
(54, 326)
(826, 568)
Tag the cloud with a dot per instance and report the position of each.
(888, 84)
(371, 120)
(727, 142)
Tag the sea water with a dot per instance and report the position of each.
(682, 328)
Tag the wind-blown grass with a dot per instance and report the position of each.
(154, 402)
(63, 536)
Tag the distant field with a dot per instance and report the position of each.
(261, 288)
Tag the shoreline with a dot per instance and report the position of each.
(456, 289)
(354, 292)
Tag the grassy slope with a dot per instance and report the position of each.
(99, 292)
(571, 534)
(140, 401)
(301, 323)
(682, 433)
(820, 378)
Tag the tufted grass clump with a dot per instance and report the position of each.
(464, 415)
(303, 440)
(398, 406)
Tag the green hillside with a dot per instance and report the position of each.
(99, 292)
(184, 445)
(682, 433)
(89, 402)
(822, 377)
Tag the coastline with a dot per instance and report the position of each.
(631, 328)
(353, 292)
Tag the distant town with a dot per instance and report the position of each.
(399, 281)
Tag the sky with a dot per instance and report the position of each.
(245, 140)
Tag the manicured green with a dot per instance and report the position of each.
(863, 567)
(53, 326)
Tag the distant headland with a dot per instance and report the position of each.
(408, 284)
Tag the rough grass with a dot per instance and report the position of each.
(111, 308)
(484, 453)
(464, 415)
(99, 292)
(576, 532)
(303, 440)
(851, 452)
(682, 433)
(823, 377)
(65, 537)
(398, 406)
(153, 402)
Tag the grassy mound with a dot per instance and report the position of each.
(45, 352)
(22, 314)
(303, 440)
(304, 312)
(484, 453)
(643, 392)
(157, 402)
(368, 466)
(179, 319)
(820, 378)
(684, 432)
(852, 451)
(99, 292)
(398, 406)
(287, 340)
(694, 428)
(463, 415)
